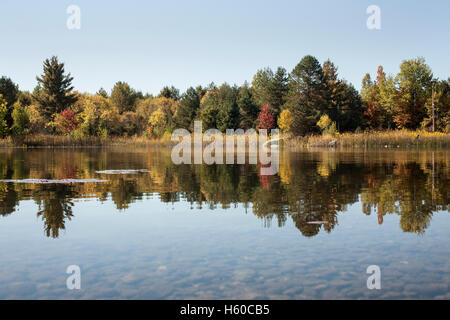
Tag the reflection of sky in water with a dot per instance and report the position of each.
(165, 251)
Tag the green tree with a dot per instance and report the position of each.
(21, 120)
(248, 109)
(219, 108)
(25, 98)
(260, 84)
(277, 90)
(10, 92)
(187, 109)
(170, 92)
(123, 97)
(414, 89)
(270, 88)
(388, 100)
(350, 108)
(55, 89)
(306, 95)
(228, 116)
(343, 103)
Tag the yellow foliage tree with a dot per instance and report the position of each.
(158, 121)
(285, 121)
(326, 125)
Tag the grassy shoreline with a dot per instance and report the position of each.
(376, 139)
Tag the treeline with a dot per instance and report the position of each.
(312, 98)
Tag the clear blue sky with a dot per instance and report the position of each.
(150, 44)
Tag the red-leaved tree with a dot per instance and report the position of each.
(66, 121)
(266, 119)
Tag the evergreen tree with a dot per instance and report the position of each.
(350, 108)
(228, 115)
(170, 92)
(123, 97)
(187, 109)
(247, 107)
(260, 84)
(219, 108)
(269, 88)
(277, 91)
(343, 103)
(55, 88)
(306, 95)
(333, 90)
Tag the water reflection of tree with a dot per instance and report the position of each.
(124, 192)
(310, 187)
(55, 206)
(406, 189)
(9, 199)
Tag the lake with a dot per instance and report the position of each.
(169, 231)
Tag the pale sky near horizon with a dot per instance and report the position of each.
(150, 44)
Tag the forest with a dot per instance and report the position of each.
(311, 99)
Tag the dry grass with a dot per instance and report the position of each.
(41, 140)
(376, 139)
(380, 139)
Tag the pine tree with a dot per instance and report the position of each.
(123, 97)
(55, 93)
(247, 107)
(306, 95)
(277, 91)
(170, 92)
(187, 109)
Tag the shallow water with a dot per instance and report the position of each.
(224, 231)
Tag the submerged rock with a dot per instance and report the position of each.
(126, 171)
(50, 181)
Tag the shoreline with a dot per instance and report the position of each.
(394, 139)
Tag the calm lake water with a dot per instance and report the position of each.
(224, 231)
